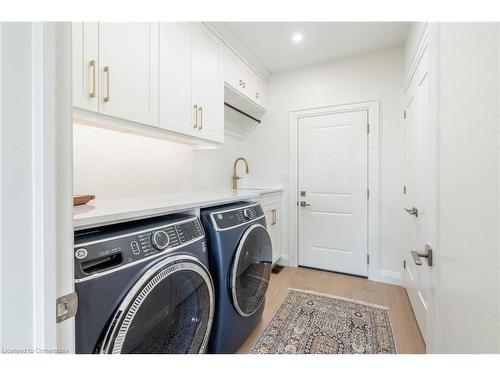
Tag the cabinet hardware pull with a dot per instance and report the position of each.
(241, 83)
(195, 116)
(201, 118)
(274, 217)
(93, 92)
(257, 95)
(106, 72)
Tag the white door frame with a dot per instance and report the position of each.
(42, 115)
(372, 107)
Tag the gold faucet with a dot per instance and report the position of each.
(235, 175)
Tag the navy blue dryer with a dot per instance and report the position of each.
(143, 287)
(240, 262)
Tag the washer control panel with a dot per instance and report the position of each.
(229, 219)
(111, 251)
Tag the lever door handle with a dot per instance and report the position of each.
(412, 211)
(422, 254)
(304, 204)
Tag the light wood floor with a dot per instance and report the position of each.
(406, 332)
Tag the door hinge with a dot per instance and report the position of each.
(367, 258)
(368, 128)
(367, 193)
(404, 264)
(404, 115)
(404, 189)
(66, 307)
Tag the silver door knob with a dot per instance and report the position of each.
(304, 204)
(412, 211)
(422, 254)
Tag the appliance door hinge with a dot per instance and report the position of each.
(66, 307)
(367, 258)
(368, 128)
(404, 189)
(404, 115)
(404, 264)
(367, 193)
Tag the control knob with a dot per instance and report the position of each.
(160, 240)
(247, 213)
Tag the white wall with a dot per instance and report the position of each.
(108, 163)
(469, 252)
(374, 76)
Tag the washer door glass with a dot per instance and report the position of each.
(251, 270)
(170, 310)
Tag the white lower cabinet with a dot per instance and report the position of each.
(271, 204)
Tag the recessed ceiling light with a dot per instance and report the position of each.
(297, 37)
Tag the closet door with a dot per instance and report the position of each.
(85, 64)
(207, 84)
(176, 109)
(128, 71)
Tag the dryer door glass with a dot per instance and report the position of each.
(170, 310)
(251, 270)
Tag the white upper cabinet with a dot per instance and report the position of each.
(233, 70)
(207, 83)
(128, 66)
(176, 108)
(85, 65)
(191, 81)
(243, 79)
(165, 75)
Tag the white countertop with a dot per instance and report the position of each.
(105, 211)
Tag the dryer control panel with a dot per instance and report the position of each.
(228, 219)
(107, 248)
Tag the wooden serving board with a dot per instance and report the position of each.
(78, 200)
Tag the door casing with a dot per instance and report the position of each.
(373, 109)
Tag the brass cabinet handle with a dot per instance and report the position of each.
(93, 92)
(106, 72)
(201, 118)
(274, 217)
(195, 107)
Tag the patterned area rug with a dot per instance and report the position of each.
(313, 323)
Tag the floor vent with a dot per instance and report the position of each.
(277, 269)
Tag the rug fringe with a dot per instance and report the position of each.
(341, 298)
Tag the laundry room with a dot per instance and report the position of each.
(255, 186)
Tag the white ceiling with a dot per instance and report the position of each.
(271, 42)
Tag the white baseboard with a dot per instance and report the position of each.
(390, 277)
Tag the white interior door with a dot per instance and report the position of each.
(420, 195)
(333, 183)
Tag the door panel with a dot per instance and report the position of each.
(421, 194)
(176, 110)
(208, 83)
(333, 173)
(85, 65)
(129, 90)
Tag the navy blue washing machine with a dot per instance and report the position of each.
(240, 262)
(143, 287)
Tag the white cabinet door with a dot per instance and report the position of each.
(85, 64)
(176, 108)
(273, 221)
(233, 70)
(207, 83)
(128, 71)
(260, 92)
